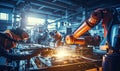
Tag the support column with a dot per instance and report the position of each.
(23, 20)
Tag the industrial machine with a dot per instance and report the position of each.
(77, 57)
(110, 23)
(59, 35)
(62, 58)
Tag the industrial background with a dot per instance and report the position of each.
(48, 22)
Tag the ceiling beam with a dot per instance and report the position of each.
(54, 0)
(69, 17)
(41, 7)
(56, 5)
(18, 2)
(7, 5)
(67, 2)
(104, 6)
(56, 11)
(40, 15)
(37, 4)
(44, 12)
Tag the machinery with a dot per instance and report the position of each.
(53, 59)
(76, 57)
(110, 23)
(60, 35)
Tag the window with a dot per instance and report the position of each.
(50, 20)
(35, 21)
(58, 25)
(3, 16)
(29, 27)
(52, 26)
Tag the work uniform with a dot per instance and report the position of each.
(8, 40)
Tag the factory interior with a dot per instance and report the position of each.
(59, 35)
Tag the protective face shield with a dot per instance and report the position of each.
(115, 37)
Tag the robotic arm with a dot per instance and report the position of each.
(111, 25)
(100, 14)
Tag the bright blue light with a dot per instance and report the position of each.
(3, 16)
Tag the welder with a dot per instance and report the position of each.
(10, 38)
(111, 25)
(57, 38)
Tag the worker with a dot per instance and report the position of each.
(10, 38)
(111, 25)
(57, 38)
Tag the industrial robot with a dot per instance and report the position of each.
(111, 26)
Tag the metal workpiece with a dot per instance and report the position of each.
(72, 67)
(67, 59)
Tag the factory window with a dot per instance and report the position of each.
(35, 21)
(50, 20)
(3, 16)
(52, 26)
(29, 27)
(58, 26)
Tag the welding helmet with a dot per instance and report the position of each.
(19, 33)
